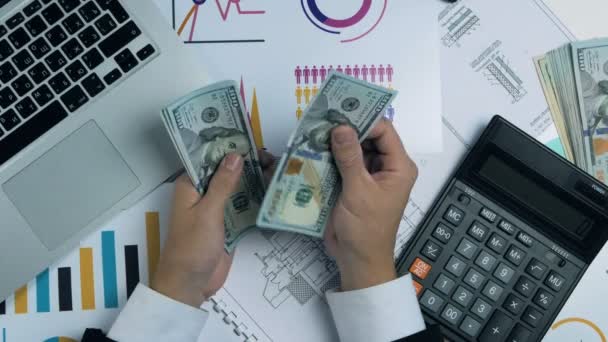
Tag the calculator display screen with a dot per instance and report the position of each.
(530, 193)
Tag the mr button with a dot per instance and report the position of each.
(454, 215)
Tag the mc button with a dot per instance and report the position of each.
(454, 215)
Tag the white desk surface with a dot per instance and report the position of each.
(585, 18)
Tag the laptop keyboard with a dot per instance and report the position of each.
(58, 55)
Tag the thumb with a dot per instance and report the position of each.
(225, 180)
(348, 154)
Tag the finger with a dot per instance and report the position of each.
(349, 156)
(266, 158)
(185, 195)
(224, 181)
(389, 146)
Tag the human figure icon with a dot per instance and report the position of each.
(306, 74)
(356, 71)
(298, 74)
(315, 74)
(339, 69)
(331, 67)
(349, 70)
(307, 93)
(381, 71)
(299, 95)
(364, 72)
(299, 113)
(372, 73)
(315, 90)
(389, 73)
(323, 73)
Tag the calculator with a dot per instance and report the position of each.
(506, 241)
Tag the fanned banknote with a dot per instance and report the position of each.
(205, 126)
(306, 184)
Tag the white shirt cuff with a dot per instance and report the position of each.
(151, 316)
(385, 312)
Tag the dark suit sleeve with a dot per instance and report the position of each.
(95, 335)
(431, 334)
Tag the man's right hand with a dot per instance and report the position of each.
(376, 186)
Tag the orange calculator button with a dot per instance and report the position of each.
(418, 287)
(420, 268)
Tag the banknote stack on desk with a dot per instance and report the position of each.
(212, 122)
(574, 78)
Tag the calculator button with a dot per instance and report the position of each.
(418, 287)
(515, 255)
(555, 259)
(485, 261)
(543, 299)
(466, 248)
(504, 273)
(532, 316)
(443, 233)
(431, 301)
(431, 250)
(497, 328)
(525, 239)
(506, 227)
(470, 326)
(536, 268)
(481, 309)
(525, 287)
(488, 214)
(519, 334)
(451, 314)
(455, 266)
(474, 279)
(514, 305)
(444, 284)
(462, 296)
(464, 199)
(497, 243)
(420, 268)
(492, 291)
(454, 215)
(555, 281)
(478, 231)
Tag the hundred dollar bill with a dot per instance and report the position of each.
(205, 126)
(306, 184)
(590, 60)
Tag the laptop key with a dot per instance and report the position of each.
(69, 5)
(112, 76)
(56, 35)
(7, 72)
(76, 70)
(93, 85)
(74, 98)
(9, 120)
(72, 48)
(23, 60)
(7, 97)
(15, 20)
(3, 30)
(497, 329)
(119, 39)
(32, 8)
(105, 24)
(59, 83)
(72, 23)
(55, 61)
(145, 52)
(39, 48)
(92, 58)
(117, 11)
(22, 85)
(42, 95)
(89, 11)
(88, 36)
(31, 130)
(52, 14)
(19, 38)
(5, 49)
(26, 107)
(35, 26)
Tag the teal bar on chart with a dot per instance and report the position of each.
(43, 292)
(108, 257)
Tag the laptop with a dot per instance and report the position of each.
(82, 83)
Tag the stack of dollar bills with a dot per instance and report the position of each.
(211, 122)
(574, 78)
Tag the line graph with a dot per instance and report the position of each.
(230, 9)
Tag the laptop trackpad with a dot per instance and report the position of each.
(77, 180)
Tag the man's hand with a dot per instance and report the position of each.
(194, 264)
(375, 189)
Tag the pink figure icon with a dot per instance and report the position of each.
(372, 73)
(381, 71)
(298, 74)
(339, 69)
(315, 74)
(389, 73)
(364, 72)
(349, 70)
(323, 73)
(356, 71)
(306, 74)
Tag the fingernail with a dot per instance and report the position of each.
(232, 161)
(344, 136)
